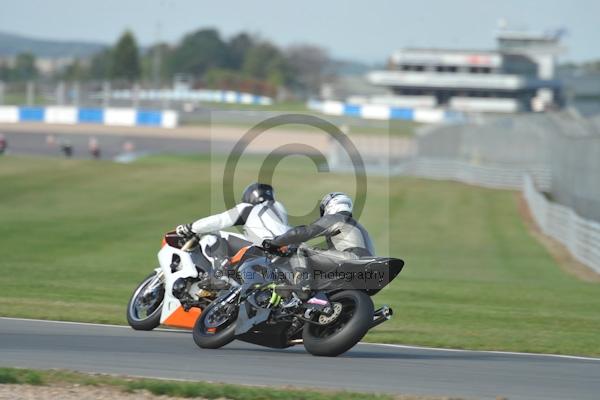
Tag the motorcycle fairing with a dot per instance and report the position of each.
(370, 274)
(173, 313)
(269, 335)
(245, 322)
(183, 319)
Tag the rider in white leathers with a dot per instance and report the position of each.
(259, 214)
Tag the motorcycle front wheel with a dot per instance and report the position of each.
(145, 305)
(353, 312)
(216, 326)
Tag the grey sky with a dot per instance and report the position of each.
(363, 30)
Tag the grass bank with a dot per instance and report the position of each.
(77, 236)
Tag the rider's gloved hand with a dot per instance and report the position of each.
(184, 230)
(268, 245)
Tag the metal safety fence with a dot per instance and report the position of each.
(581, 236)
(400, 156)
(566, 142)
(491, 176)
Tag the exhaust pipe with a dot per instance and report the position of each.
(381, 315)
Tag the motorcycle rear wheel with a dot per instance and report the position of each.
(152, 318)
(346, 330)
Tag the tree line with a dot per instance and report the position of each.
(242, 62)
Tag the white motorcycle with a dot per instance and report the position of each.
(183, 285)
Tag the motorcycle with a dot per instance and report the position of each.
(263, 309)
(176, 292)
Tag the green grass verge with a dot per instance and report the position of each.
(297, 106)
(20, 376)
(20, 99)
(175, 388)
(354, 125)
(77, 236)
(394, 129)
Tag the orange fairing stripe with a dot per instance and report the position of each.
(238, 256)
(163, 243)
(183, 319)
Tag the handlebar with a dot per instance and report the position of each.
(283, 251)
(190, 244)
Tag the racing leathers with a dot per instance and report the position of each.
(259, 221)
(346, 239)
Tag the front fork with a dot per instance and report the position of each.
(158, 280)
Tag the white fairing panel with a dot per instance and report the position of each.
(187, 269)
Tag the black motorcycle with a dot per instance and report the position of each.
(263, 309)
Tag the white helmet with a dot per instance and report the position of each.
(335, 202)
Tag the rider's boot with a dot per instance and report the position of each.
(214, 249)
(302, 277)
(219, 276)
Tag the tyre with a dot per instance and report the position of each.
(145, 305)
(354, 310)
(216, 326)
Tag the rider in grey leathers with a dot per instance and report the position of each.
(346, 239)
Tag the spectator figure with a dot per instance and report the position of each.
(127, 154)
(3, 144)
(66, 147)
(94, 148)
(128, 147)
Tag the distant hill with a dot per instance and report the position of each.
(11, 44)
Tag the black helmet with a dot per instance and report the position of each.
(256, 193)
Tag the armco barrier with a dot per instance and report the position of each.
(566, 142)
(74, 115)
(581, 236)
(492, 176)
(400, 156)
(383, 112)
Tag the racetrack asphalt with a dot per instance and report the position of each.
(36, 144)
(367, 367)
(46, 139)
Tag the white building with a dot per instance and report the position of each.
(518, 76)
